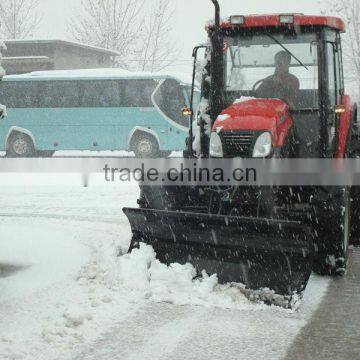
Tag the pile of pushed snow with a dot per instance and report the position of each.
(141, 271)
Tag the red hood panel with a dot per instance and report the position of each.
(256, 115)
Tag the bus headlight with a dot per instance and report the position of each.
(263, 146)
(216, 148)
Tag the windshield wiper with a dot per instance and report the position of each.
(288, 51)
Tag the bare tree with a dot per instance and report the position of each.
(111, 24)
(18, 18)
(157, 49)
(349, 11)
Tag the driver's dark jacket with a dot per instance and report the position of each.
(284, 86)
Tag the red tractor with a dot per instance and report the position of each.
(274, 87)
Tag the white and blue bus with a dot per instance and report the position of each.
(98, 110)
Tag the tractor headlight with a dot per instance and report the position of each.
(263, 146)
(216, 148)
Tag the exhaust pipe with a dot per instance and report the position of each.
(217, 13)
(217, 67)
(217, 81)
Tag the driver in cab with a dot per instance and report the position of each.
(282, 84)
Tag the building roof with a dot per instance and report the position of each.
(64, 43)
(273, 20)
(27, 59)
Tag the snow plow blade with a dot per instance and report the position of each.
(258, 253)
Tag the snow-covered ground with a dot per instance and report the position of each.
(65, 294)
(124, 154)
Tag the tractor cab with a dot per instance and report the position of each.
(279, 74)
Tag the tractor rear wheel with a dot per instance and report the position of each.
(355, 216)
(333, 231)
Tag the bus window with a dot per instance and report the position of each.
(171, 100)
(58, 94)
(100, 93)
(18, 94)
(138, 93)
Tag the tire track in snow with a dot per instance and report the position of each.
(152, 333)
(164, 331)
(234, 335)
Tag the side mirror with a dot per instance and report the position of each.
(187, 112)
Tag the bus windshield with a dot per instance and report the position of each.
(276, 66)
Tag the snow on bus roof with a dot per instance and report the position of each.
(98, 73)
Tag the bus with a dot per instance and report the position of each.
(94, 110)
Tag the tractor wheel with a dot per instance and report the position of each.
(160, 197)
(145, 146)
(355, 216)
(20, 145)
(333, 231)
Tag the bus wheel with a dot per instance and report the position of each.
(145, 146)
(20, 145)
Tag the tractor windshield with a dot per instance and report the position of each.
(259, 66)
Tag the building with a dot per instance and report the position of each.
(23, 56)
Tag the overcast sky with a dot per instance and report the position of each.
(189, 18)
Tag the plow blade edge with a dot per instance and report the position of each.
(259, 253)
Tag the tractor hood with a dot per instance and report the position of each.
(271, 115)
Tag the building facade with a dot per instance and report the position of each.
(23, 56)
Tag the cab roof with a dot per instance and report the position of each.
(273, 20)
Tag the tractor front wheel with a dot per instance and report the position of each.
(333, 232)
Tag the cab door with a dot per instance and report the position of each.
(335, 89)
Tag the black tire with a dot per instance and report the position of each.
(333, 214)
(20, 145)
(355, 216)
(355, 203)
(162, 197)
(145, 146)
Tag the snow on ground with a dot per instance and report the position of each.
(72, 297)
(41, 259)
(76, 153)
